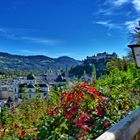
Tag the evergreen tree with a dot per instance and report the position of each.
(93, 74)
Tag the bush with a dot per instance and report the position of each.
(76, 112)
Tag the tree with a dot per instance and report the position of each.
(136, 35)
(93, 75)
(118, 63)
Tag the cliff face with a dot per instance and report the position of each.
(99, 61)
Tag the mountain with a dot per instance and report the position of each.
(37, 63)
(67, 61)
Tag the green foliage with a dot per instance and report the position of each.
(127, 79)
(19, 65)
(77, 110)
(79, 70)
(121, 64)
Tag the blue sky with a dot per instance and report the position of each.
(76, 28)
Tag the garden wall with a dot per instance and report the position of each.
(126, 129)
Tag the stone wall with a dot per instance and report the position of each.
(126, 129)
(6, 94)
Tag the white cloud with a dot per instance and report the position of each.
(14, 35)
(38, 40)
(106, 12)
(136, 4)
(6, 33)
(110, 7)
(131, 24)
(28, 51)
(33, 52)
(120, 2)
(108, 24)
(102, 22)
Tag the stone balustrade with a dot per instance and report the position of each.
(126, 129)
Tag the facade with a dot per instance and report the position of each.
(30, 88)
(21, 87)
(8, 89)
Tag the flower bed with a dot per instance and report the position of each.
(81, 112)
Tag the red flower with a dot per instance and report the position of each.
(101, 111)
(69, 114)
(15, 125)
(75, 109)
(79, 122)
(64, 106)
(91, 90)
(55, 111)
(86, 111)
(106, 123)
(83, 118)
(97, 93)
(86, 128)
(70, 97)
(22, 134)
(85, 84)
(79, 96)
(2, 127)
(64, 96)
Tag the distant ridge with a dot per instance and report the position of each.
(35, 63)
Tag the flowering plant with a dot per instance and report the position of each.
(80, 112)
